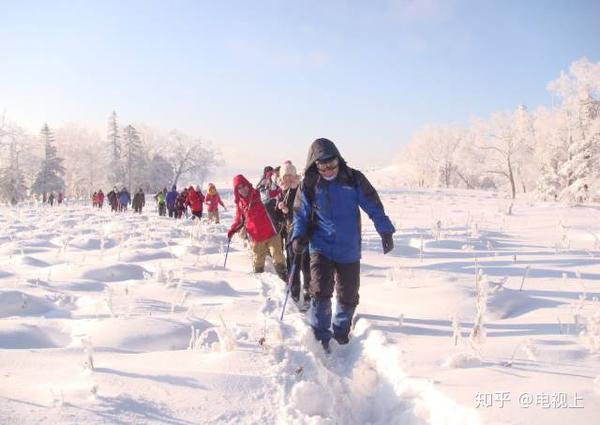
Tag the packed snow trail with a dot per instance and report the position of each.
(358, 383)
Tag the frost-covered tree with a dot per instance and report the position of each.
(507, 139)
(554, 150)
(82, 149)
(190, 157)
(470, 162)
(134, 159)
(438, 145)
(12, 180)
(115, 166)
(50, 176)
(550, 152)
(525, 170)
(159, 173)
(579, 90)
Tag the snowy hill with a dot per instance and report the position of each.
(385, 178)
(123, 318)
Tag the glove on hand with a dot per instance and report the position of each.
(230, 233)
(387, 242)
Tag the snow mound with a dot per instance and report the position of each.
(88, 243)
(462, 360)
(116, 273)
(81, 286)
(146, 255)
(39, 243)
(505, 303)
(212, 288)
(17, 303)
(19, 336)
(34, 262)
(143, 334)
(183, 250)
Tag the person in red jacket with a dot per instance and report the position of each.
(213, 200)
(100, 198)
(251, 213)
(195, 199)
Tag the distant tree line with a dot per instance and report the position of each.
(78, 161)
(553, 152)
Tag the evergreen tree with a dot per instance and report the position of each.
(50, 176)
(134, 158)
(116, 173)
(581, 166)
(550, 181)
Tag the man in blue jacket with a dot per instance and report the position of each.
(327, 218)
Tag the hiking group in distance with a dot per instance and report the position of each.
(177, 204)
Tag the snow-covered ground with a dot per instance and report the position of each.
(123, 318)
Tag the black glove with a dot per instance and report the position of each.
(298, 245)
(387, 241)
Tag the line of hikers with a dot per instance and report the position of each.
(59, 198)
(120, 199)
(176, 203)
(317, 222)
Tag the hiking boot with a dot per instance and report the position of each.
(259, 269)
(326, 347)
(341, 339)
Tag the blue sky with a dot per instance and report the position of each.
(262, 79)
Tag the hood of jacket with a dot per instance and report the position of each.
(237, 180)
(322, 148)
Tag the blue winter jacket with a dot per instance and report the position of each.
(335, 230)
(124, 197)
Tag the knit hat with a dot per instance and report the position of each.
(288, 169)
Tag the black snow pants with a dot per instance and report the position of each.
(327, 275)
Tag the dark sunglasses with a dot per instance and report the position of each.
(330, 165)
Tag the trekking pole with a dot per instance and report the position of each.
(227, 252)
(289, 288)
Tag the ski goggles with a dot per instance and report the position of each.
(328, 165)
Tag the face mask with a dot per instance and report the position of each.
(329, 178)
